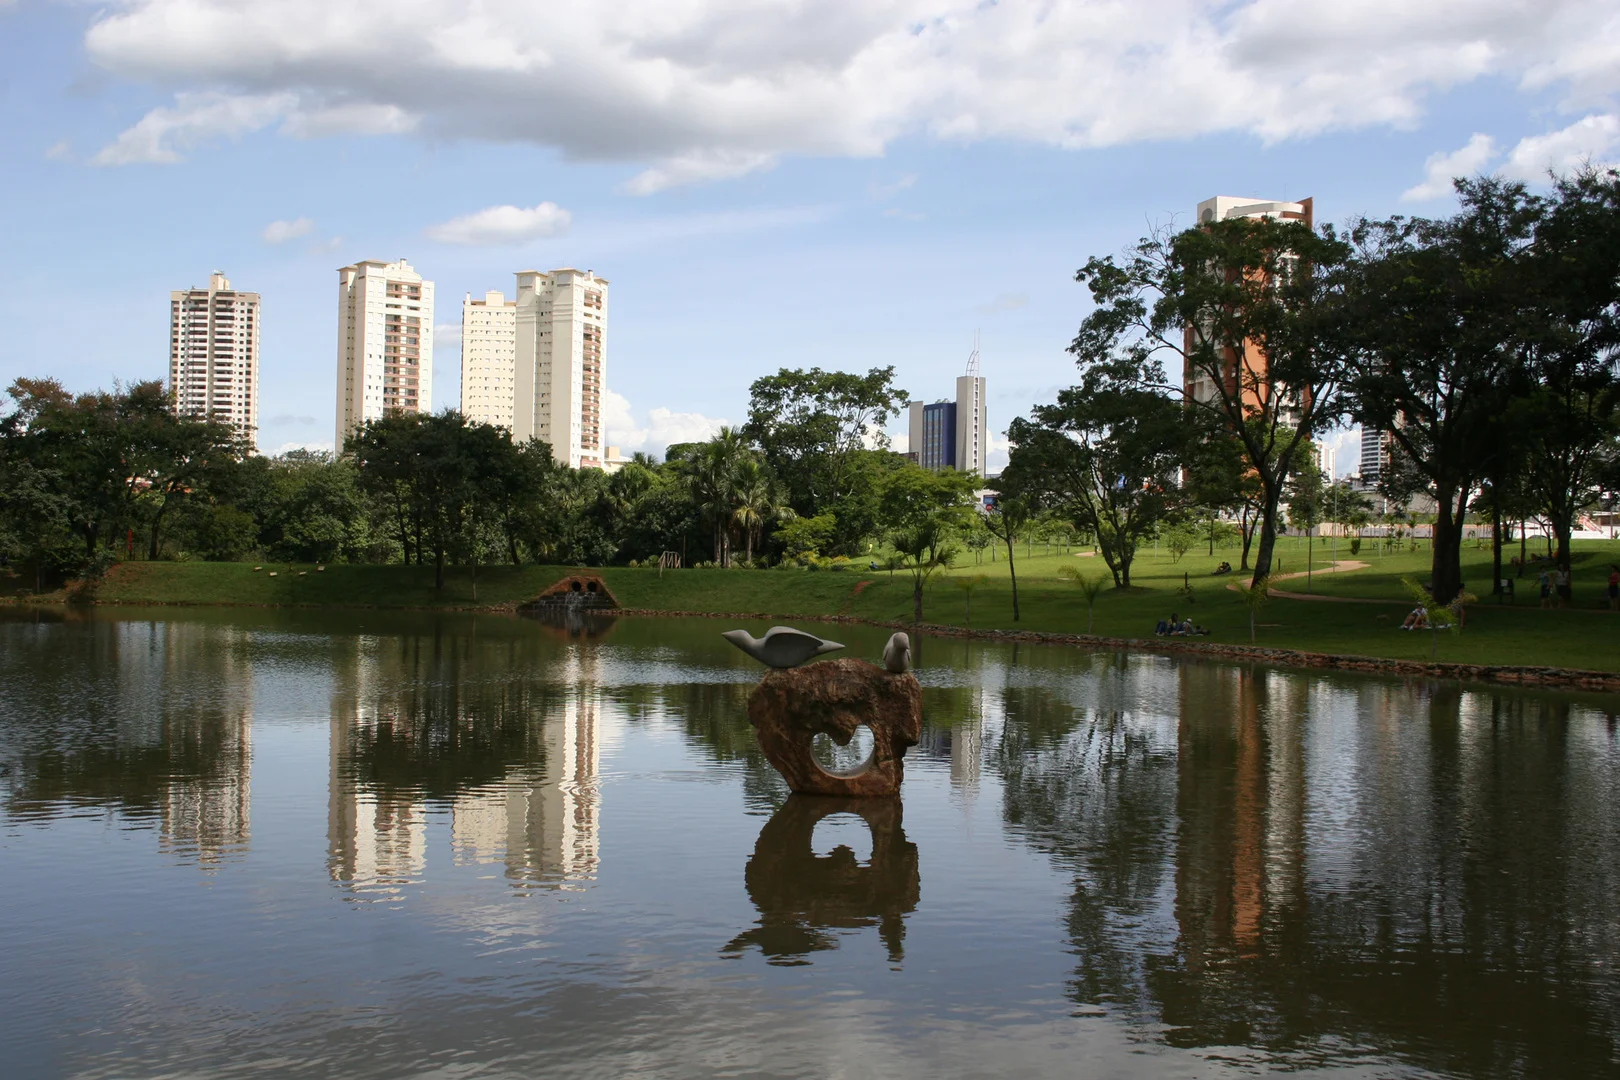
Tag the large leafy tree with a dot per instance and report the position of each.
(822, 435)
(1439, 310)
(115, 460)
(1250, 309)
(1571, 418)
(1107, 458)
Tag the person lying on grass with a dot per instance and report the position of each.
(1417, 620)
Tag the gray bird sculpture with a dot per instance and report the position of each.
(781, 647)
(897, 654)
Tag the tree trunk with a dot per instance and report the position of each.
(1446, 569)
(1496, 549)
(1013, 571)
(916, 596)
(157, 527)
(438, 566)
(1268, 534)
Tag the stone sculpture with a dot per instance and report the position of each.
(781, 647)
(897, 653)
(790, 707)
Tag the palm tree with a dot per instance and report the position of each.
(753, 499)
(713, 483)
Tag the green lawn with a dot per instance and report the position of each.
(1517, 633)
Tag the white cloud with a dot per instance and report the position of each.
(706, 89)
(503, 225)
(308, 444)
(1588, 139)
(446, 336)
(1439, 169)
(58, 151)
(164, 133)
(279, 232)
(661, 429)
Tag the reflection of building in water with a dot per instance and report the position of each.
(516, 762)
(207, 725)
(1241, 801)
(376, 837)
(544, 827)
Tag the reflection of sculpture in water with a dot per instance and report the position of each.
(802, 896)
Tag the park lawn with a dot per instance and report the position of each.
(1515, 635)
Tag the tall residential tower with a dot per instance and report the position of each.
(214, 354)
(385, 343)
(1245, 375)
(488, 358)
(561, 363)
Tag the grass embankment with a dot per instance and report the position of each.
(1513, 633)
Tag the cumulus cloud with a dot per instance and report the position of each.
(165, 133)
(708, 89)
(503, 225)
(1588, 139)
(662, 427)
(279, 232)
(1439, 169)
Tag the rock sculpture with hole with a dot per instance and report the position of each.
(792, 705)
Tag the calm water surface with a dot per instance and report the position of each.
(360, 844)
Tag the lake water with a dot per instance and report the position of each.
(367, 844)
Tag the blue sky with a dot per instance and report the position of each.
(766, 183)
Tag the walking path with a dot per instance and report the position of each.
(1340, 567)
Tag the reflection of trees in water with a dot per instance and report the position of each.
(713, 717)
(149, 721)
(805, 898)
(1427, 870)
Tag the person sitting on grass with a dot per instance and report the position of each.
(1163, 627)
(1417, 620)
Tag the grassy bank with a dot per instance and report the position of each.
(1509, 633)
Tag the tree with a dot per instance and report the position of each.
(1251, 308)
(1571, 418)
(926, 510)
(1255, 594)
(1439, 309)
(818, 431)
(966, 584)
(185, 460)
(1008, 518)
(1089, 587)
(102, 451)
(1106, 456)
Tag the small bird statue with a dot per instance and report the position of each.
(781, 647)
(897, 654)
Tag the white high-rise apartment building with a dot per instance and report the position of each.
(385, 343)
(561, 363)
(488, 358)
(214, 354)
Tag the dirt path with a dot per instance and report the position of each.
(1341, 567)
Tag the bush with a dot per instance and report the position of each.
(1355, 545)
